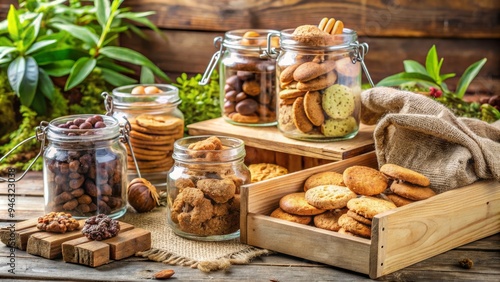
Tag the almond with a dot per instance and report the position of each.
(164, 274)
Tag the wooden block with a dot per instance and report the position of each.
(17, 234)
(48, 245)
(94, 253)
(128, 243)
(69, 248)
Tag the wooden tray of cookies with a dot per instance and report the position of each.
(400, 237)
(267, 144)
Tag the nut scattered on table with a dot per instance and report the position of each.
(100, 227)
(58, 222)
(164, 274)
(142, 195)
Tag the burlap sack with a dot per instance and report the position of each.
(419, 133)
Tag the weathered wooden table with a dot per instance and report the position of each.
(484, 253)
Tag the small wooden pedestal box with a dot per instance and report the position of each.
(400, 237)
(268, 145)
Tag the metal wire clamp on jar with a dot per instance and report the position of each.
(247, 79)
(318, 82)
(203, 188)
(84, 168)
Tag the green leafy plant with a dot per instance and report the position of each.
(46, 39)
(199, 102)
(428, 78)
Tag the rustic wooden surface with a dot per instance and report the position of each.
(484, 253)
(271, 139)
(463, 31)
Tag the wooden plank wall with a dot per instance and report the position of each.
(464, 31)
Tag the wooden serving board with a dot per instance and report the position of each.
(73, 246)
(270, 138)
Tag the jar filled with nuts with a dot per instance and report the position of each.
(156, 122)
(85, 167)
(319, 83)
(203, 187)
(249, 93)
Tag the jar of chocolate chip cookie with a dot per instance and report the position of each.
(203, 187)
(247, 77)
(318, 77)
(85, 166)
(156, 122)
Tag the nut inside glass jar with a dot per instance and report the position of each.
(319, 87)
(85, 167)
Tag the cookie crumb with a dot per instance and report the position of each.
(466, 263)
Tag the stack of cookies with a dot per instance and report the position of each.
(152, 138)
(347, 202)
(407, 186)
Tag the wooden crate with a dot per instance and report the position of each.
(268, 145)
(400, 237)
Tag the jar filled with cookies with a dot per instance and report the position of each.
(203, 187)
(156, 122)
(85, 166)
(247, 78)
(319, 82)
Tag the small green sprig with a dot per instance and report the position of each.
(199, 102)
(428, 78)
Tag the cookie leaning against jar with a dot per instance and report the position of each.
(318, 84)
(152, 136)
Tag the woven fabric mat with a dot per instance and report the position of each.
(167, 247)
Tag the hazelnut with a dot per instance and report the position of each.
(142, 195)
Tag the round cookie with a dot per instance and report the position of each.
(329, 220)
(354, 226)
(329, 197)
(368, 207)
(263, 171)
(286, 75)
(158, 122)
(237, 117)
(312, 107)
(318, 83)
(291, 93)
(338, 101)
(359, 218)
(364, 180)
(405, 174)
(339, 127)
(412, 192)
(324, 178)
(295, 203)
(346, 68)
(345, 232)
(285, 118)
(281, 214)
(311, 70)
(299, 116)
(398, 200)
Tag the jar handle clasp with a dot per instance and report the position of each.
(125, 131)
(213, 62)
(360, 50)
(40, 132)
(270, 52)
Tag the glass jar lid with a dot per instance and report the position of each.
(122, 97)
(246, 39)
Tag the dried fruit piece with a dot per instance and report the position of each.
(100, 227)
(58, 222)
(164, 274)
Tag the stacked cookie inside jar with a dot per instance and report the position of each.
(155, 122)
(319, 84)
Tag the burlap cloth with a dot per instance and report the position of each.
(416, 132)
(172, 249)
